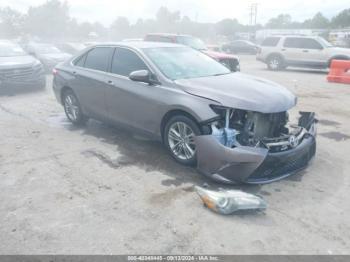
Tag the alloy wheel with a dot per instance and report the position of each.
(71, 107)
(274, 63)
(181, 140)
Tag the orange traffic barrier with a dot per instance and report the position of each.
(339, 71)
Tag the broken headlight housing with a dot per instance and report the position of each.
(227, 202)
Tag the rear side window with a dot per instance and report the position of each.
(80, 61)
(303, 43)
(98, 58)
(271, 41)
(126, 61)
(292, 42)
(309, 43)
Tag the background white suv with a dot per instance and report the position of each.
(278, 52)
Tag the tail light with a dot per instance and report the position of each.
(54, 71)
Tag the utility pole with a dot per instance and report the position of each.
(253, 13)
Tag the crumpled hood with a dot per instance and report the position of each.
(241, 91)
(17, 61)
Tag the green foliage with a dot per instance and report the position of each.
(228, 27)
(282, 21)
(11, 23)
(342, 20)
(319, 21)
(52, 20)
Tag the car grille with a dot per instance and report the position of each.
(230, 63)
(274, 166)
(21, 73)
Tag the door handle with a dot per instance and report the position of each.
(74, 72)
(110, 82)
(306, 51)
(283, 49)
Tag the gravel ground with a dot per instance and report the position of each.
(101, 190)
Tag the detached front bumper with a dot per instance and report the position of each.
(254, 165)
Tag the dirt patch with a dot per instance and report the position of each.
(337, 136)
(165, 198)
(113, 163)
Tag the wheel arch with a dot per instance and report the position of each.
(63, 90)
(175, 112)
(337, 57)
(276, 54)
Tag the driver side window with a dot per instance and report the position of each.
(126, 61)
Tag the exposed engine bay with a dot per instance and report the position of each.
(236, 127)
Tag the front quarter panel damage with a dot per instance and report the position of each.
(214, 159)
(256, 164)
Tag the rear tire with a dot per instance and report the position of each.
(179, 133)
(275, 63)
(72, 108)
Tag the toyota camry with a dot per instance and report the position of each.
(234, 127)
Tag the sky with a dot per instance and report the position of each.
(105, 11)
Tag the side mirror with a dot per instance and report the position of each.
(143, 76)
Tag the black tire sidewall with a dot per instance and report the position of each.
(195, 128)
(81, 118)
(278, 58)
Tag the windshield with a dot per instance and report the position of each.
(183, 62)
(9, 49)
(193, 42)
(324, 42)
(46, 49)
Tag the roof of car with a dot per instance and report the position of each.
(139, 44)
(296, 35)
(165, 34)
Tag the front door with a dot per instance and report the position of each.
(303, 51)
(132, 103)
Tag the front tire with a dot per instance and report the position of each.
(179, 133)
(275, 63)
(72, 108)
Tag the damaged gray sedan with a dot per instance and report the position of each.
(233, 126)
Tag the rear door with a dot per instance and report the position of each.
(303, 51)
(268, 46)
(313, 52)
(291, 50)
(90, 82)
(131, 103)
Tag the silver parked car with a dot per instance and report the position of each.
(279, 52)
(234, 126)
(48, 54)
(18, 70)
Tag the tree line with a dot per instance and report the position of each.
(52, 20)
